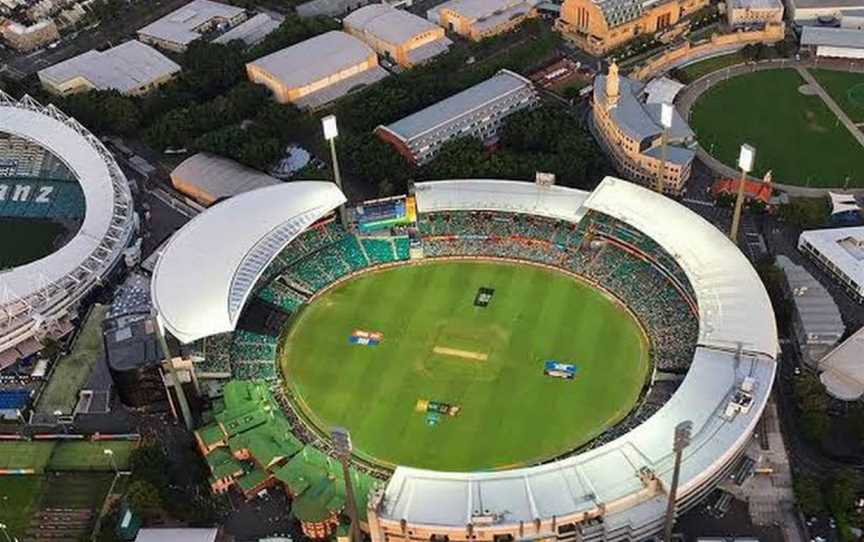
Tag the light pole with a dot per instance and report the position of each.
(745, 163)
(682, 440)
(110, 454)
(178, 386)
(6, 533)
(342, 443)
(666, 123)
(331, 132)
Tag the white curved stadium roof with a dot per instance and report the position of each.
(732, 300)
(734, 309)
(108, 218)
(498, 195)
(208, 268)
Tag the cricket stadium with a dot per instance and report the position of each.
(512, 360)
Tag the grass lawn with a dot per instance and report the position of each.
(696, 70)
(795, 135)
(84, 456)
(26, 240)
(511, 413)
(25, 455)
(19, 496)
(73, 370)
(847, 89)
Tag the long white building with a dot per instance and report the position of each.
(840, 252)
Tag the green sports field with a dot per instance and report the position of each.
(795, 135)
(24, 240)
(847, 89)
(438, 346)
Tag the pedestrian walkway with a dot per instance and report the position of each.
(832, 105)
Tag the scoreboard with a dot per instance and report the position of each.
(23, 197)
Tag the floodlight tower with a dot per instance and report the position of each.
(6, 533)
(342, 443)
(682, 440)
(178, 386)
(666, 123)
(745, 162)
(331, 132)
(110, 453)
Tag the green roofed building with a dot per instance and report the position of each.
(317, 486)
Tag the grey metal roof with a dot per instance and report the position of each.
(315, 59)
(815, 306)
(756, 4)
(826, 4)
(220, 177)
(387, 23)
(832, 37)
(251, 31)
(640, 120)
(674, 154)
(496, 87)
(479, 9)
(327, 7)
(125, 68)
(181, 26)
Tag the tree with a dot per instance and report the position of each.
(144, 498)
(149, 463)
(808, 494)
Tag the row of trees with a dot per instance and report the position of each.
(835, 496)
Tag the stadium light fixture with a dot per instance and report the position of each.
(666, 115)
(341, 438)
(666, 110)
(331, 131)
(6, 533)
(110, 453)
(680, 441)
(746, 157)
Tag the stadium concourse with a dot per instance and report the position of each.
(40, 298)
(703, 307)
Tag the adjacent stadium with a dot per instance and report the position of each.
(67, 215)
(512, 359)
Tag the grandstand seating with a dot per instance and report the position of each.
(379, 250)
(13, 399)
(625, 262)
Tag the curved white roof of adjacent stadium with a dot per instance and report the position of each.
(620, 480)
(48, 286)
(208, 268)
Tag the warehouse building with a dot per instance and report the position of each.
(816, 321)
(208, 178)
(317, 71)
(478, 19)
(476, 112)
(396, 34)
(628, 127)
(599, 27)
(840, 252)
(832, 42)
(252, 31)
(753, 12)
(131, 68)
(813, 12)
(193, 21)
